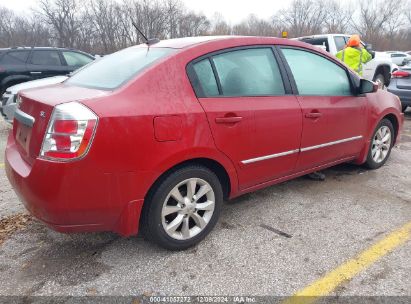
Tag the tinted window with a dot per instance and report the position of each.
(45, 58)
(206, 79)
(316, 75)
(317, 41)
(76, 59)
(114, 70)
(252, 72)
(15, 57)
(339, 42)
(398, 55)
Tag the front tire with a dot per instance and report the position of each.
(381, 144)
(183, 208)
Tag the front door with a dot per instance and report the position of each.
(333, 118)
(252, 119)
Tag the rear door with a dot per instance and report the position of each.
(254, 119)
(334, 119)
(45, 63)
(14, 64)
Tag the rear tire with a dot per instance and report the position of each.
(183, 208)
(381, 144)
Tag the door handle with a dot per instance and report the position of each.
(313, 115)
(35, 72)
(228, 120)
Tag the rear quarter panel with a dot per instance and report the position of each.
(126, 131)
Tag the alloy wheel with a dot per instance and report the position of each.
(188, 209)
(381, 144)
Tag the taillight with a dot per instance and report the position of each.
(400, 74)
(70, 132)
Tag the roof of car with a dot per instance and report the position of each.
(323, 35)
(188, 42)
(41, 48)
(180, 43)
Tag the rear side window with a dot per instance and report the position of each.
(205, 77)
(15, 57)
(113, 70)
(76, 59)
(46, 58)
(250, 72)
(317, 41)
(316, 75)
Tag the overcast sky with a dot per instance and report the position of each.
(233, 10)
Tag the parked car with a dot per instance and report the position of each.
(156, 137)
(23, 64)
(401, 86)
(399, 58)
(8, 102)
(379, 69)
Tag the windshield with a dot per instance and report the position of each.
(116, 69)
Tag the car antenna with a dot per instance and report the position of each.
(150, 41)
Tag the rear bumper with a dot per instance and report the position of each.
(74, 197)
(404, 95)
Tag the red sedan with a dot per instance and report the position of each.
(156, 137)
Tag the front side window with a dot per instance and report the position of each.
(76, 59)
(339, 42)
(316, 75)
(114, 70)
(251, 72)
(46, 58)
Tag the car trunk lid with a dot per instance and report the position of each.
(404, 83)
(35, 108)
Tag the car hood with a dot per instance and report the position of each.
(36, 83)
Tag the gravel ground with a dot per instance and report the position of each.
(328, 222)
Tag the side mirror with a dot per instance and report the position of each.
(367, 86)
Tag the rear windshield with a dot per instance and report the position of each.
(114, 70)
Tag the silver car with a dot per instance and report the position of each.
(8, 100)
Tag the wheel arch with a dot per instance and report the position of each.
(393, 118)
(385, 70)
(395, 123)
(13, 80)
(227, 182)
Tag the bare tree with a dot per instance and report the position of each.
(191, 24)
(303, 17)
(62, 16)
(338, 17)
(220, 25)
(379, 19)
(254, 26)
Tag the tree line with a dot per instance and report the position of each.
(104, 26)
